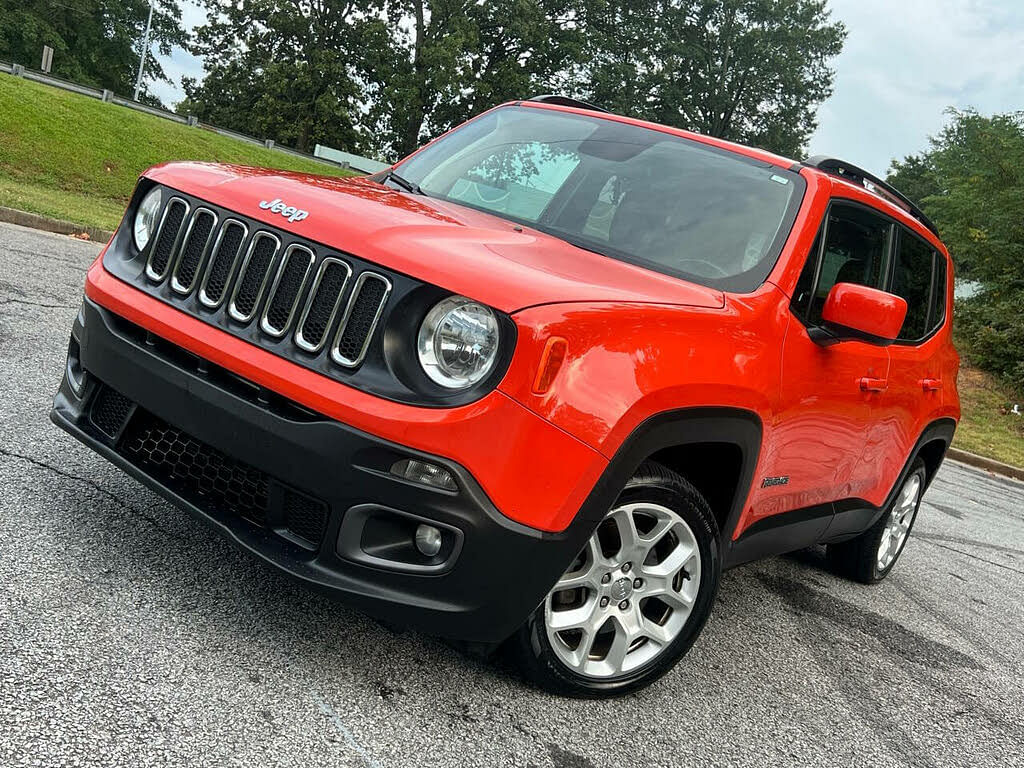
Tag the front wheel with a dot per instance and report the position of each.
(634, 600)
(871, 556)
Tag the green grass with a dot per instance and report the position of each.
(76, 158)
(987, 426)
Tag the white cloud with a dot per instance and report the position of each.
(905, 62)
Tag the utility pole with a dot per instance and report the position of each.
(145, 50)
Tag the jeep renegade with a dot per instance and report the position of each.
(537, 384)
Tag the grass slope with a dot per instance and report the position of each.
(987, 426)
(76, 158)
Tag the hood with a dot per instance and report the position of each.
(462, 250)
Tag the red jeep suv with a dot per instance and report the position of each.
(537, 384)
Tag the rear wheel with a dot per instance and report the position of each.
(871, 556)
(635, 598)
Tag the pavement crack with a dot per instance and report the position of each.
(36, 304)
(95, 486)
(972, 556)
(933, 537)
(343, 730)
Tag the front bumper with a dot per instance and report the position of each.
(490, 575)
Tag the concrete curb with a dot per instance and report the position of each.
(981, 462)
(45, 223)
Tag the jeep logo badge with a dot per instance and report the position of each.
(622, 588)
(290, 212)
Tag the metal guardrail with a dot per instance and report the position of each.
(354, 162)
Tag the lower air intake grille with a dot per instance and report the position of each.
(109, 411)
(194, 470)
(206, 477)
(305, 517)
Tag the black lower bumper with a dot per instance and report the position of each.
(305, 493)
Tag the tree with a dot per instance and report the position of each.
(446, 60)
(382, 76)
(971, 183)
(282, 69)
(752, 71)
(95, 42)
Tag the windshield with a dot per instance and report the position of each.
(640, 195)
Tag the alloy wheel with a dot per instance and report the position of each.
(895, 533)
(628, 594)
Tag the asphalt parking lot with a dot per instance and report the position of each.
(130, 635)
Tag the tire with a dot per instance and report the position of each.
(870, 557)
(636, 619)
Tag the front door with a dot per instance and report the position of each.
(829, 405)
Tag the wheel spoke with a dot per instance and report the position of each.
(680, 555)
(653, 536)
(619, 648)
(671, 598)
(655, 632)
(626, 526)
(573, 618)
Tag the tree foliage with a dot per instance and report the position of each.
(95, 42)
(971, 183)
(752, 71)
(382, 76)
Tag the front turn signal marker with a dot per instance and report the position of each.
(550, 363)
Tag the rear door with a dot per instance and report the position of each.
(914, 394)
(829, 393)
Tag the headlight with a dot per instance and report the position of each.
(458, 342)
(146, 218)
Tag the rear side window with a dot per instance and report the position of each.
(856, 251)
(938, 306)
(912, 280)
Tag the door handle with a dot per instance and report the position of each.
(931, 385)
(868, 384)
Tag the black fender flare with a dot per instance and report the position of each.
(668, 429)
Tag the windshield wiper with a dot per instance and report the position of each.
(402, 182)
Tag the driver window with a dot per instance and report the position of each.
(856, 251)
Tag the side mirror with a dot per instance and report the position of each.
(858, 313)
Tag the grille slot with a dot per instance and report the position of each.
(193, 250)
(322, 306)
(253, 276)
(287, 290)
(222, 263)
(195, 470)
(365, 306)
(165, 243)
(110, 409)
(304, 517)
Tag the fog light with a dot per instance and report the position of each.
(425, 474)
(428, 540)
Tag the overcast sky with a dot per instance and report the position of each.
(904, 62)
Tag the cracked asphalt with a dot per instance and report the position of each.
(130, 635)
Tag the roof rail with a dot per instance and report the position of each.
(566, 101)
(844, 170)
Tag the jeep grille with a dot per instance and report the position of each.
(296, 293)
